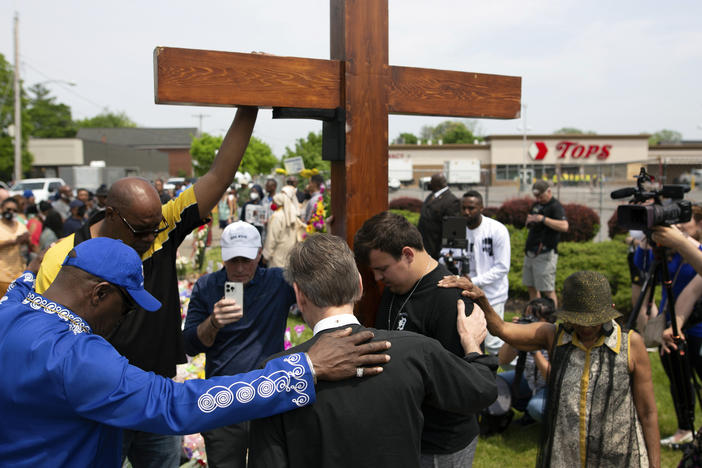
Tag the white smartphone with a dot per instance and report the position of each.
(234, 291)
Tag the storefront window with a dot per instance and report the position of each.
(507, 172)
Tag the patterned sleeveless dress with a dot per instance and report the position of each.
(595, 423)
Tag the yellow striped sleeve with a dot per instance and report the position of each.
(51, 263)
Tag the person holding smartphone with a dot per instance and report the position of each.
(237, 317)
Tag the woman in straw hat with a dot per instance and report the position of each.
(601, 410)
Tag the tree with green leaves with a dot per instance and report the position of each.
(7, 117)
(203, 149)
(107, 119)
(573, 131)
(451, 132)
(258, 158)
(49, 118)
(406, 139)
(310, 149)
(665, 136)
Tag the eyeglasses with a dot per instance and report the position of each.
(127, 301)
(10, 210)
(144, 232)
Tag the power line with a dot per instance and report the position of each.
(64, 86)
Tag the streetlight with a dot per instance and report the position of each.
(524, 129)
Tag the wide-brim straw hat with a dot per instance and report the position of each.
(587, 300)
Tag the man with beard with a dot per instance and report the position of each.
(488, 257)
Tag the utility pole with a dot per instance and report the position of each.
(523, 176)
(18, 107)
(200, 116)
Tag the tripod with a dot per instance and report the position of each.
(681, 374)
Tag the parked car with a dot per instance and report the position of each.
(394, 184)
(42, 188)
(171, 183)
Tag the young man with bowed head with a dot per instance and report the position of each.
(392, 248)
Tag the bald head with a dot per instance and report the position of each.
(437, 182)
(133, 210)
(130, 192)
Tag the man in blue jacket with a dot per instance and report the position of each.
(71, 393)
(236, 337)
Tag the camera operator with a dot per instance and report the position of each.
(546, 220)
(686, 245)
(488, 257)
(681, 274)
(531, 392)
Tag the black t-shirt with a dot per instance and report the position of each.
(431, 311)
(542, 238)
(153, 341)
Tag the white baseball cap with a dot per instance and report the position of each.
(240, 239)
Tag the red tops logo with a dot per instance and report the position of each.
(538, 150)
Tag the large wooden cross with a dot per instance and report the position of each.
(358, 82)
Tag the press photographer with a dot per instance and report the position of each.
(545, 221)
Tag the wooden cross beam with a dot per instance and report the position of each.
(357, 79)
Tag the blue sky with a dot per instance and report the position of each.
(610, 67)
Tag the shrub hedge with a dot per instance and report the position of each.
(609, 258)
(514, 211)
(406, 203)
(583, 223)
(491, 211)
(411, 216)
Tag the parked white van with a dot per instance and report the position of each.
(42, 188)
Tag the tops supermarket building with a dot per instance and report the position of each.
(615, 158)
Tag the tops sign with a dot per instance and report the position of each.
(570, 149)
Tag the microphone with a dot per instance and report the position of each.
(623, 193)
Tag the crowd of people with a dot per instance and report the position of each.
(92, 331)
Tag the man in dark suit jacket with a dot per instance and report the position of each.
(376, 421)
(439, 204)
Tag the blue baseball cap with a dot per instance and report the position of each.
(28, 193)
(115, 262)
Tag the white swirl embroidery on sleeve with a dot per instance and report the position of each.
(264, 386)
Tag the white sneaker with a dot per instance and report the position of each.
(672, 440)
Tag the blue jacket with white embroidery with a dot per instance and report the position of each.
(68, 393)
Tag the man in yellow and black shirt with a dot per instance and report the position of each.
(134, 214)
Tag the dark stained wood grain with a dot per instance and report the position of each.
(203, 77)
(360, 183)
(424, 91)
